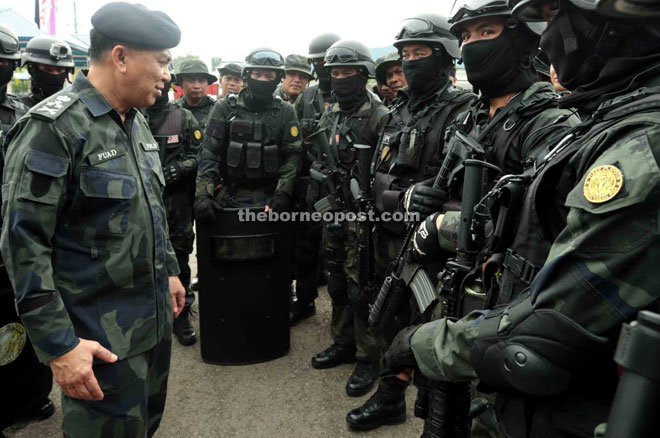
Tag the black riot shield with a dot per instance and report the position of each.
(23, 379)
(244, 288)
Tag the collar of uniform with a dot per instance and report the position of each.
(90, 96)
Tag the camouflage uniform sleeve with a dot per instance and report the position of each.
(33, 191)
(193, 140)
(602, 268)
(291, 150)
(210, 153)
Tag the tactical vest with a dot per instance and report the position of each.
(169, 135)
(313, 106)
(10, 111)
(536, 230)
(252, 152)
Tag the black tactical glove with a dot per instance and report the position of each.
(400, 355)
(425, 246)
(423, 198)
(205, 208)
(281, 202)
(172, 173)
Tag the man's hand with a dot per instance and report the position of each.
(73, 370)
(424, 199)
(178, 293)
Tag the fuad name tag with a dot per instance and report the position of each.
(100, 157)
(150, 147)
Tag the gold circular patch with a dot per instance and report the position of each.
(12, 341)
(294, 131)
(198, 134)
(602, 184)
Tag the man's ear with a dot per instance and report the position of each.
(119, 56)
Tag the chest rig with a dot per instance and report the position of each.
(169, 135)
(526, 225)
(252, 152)
(348, 130)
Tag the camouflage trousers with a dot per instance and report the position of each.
(178, 205)
(134, 391)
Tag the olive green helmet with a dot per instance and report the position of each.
(319, 45)
(9, 45)
(263, 58)
(384, 63)
(48, 50)
(345, 53)
(231, 68)
(467, 10)
(194, 67)
(298, 63)
(431, 29)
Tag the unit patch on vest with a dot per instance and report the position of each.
(172, 139)
(12, 341)
(602, 184)
(149, 147)
(197, 134)
(100, 157)
(294, 131)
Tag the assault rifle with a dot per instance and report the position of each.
(332, 176)
(405, 276)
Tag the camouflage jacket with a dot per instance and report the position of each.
(279, 91)
(178, 134)
(276, 125)
(201, 111)
(85, 237)
(600, 206)
(11, 109)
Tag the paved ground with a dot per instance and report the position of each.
(282, 398)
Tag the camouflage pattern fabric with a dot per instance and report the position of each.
(134, 392)
(85, 236)
(201, 111)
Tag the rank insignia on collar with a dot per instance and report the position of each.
(602, 184)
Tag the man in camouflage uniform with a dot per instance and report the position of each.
(231, 79)
(356, 118)
(25, 381)
(194, 78)
(85, 236)
(178, 136)
(49, 61)
(315, 100)
(587, 225)
(223, 179)
(410, 150)
(298, 73)
(390, 74)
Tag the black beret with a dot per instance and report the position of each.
(136, 25)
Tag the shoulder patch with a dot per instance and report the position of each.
(602, 184)
(197, 134)
(54, 106)
(294, 131)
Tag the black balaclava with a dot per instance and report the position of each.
(323, 75)
(6, 73)
(594, 55)
(45, 84)
(501, 65)
(260, 93)
(350, 92)
(427, 75)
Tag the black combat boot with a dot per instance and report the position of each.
(386, 406)
(333, 356)
(362, 379)
(183, 330)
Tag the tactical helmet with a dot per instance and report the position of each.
(231, 68)
(9, 45)
(346, 53)
(531, 10)
(319, 45)
(263, 58)
(471, 9)
(194, 67)
(384, 63)
(48, 50)
(298, 63)
(430, 29)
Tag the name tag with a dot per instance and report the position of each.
(100, 157)
(150, 147)
(172, 139)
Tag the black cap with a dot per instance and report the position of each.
(136, 25)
